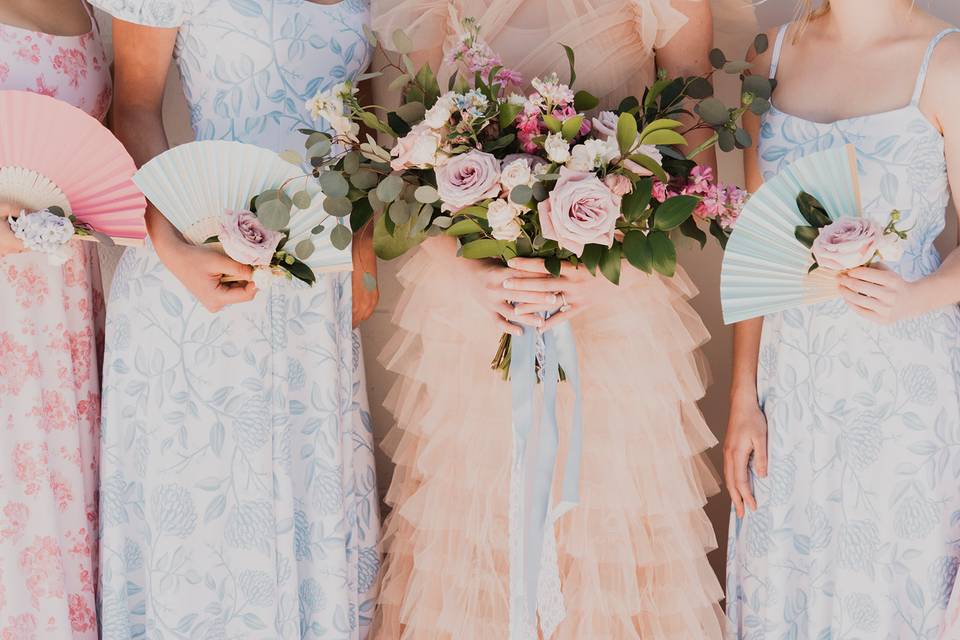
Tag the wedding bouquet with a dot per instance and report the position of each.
(846, 243)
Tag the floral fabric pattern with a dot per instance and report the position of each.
(238, 493)
(50, 346)
(856, 534)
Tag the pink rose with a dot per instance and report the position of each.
(419, 148)
(847, 243)
(580, 210)
(619, 184)
(246, 240)
(467, 179)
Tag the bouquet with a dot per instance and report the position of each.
(540, 174)
(846, 243)
(49, 230)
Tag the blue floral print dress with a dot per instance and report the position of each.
(858, 522)
(237, 483)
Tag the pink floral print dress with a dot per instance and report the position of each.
(50, 350)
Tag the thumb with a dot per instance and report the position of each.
(229, 267)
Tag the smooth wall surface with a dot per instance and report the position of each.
(703, 266)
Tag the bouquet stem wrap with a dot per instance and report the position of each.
(534, 572)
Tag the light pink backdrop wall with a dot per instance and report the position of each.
(703, 266)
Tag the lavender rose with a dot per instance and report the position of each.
(580, 210)
(467, 179)
(847, 243)
(246, 240)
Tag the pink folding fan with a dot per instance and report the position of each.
(53, 154)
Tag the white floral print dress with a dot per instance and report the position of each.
(857, 534)
(238, 493)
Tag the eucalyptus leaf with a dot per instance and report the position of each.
(700, 88)
(364, 179)
(736, 66)
(341, 236)
(302, 199)
(759, 106)
(304, 249)
(389, 245)
(761, 43)
(334, 185)
(390, 189)
(399, 212)
(351, 162)
(274, 214)
(319, 149)
(758, 86)
(713, 112)
(726, 140)
(314, 138)
(717, 59)
(339, 207)
(426, 194)
(424, 217)
(742, 138)
(402, 42)
(411, 112)
(521, 194)
(291, 156)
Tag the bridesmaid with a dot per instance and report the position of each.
(847, 522)
(632, 555)
(238, 492)
(51, 331)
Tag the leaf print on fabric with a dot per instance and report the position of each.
(172, 509)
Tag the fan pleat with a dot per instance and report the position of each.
(765, 268)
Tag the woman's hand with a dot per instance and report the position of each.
(483, 281)
(536, 291)
(746, 437)
(879, 294)
(201, 270)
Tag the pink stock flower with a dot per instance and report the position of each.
(701, 178)
(468, 179)
(246, 240)
(580, 210)
(660, 191)
(847, 243)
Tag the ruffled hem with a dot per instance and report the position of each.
(632, 556)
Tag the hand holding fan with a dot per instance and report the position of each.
(56, 158)
(263, 210)
(796, 234)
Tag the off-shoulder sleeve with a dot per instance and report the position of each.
(427, 22)
(150, 13)
(657, 21)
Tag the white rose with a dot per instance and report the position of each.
(439, 114)
(891, 249)
(593, 154)
(419, 148)
(344, 127)
(263, 277)
(557, 148)
(515, 174)
(502, 216)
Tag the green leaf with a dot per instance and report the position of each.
(630, 103)
(320, 149)
(364, 179)
(477, 211)
(274, 214)
(690, 229)
(553, 123)
(423, 219)
(663, 252)
(591, 257)
(635, 203)
(759, 106)
(806, 235)
(636, 248)
(742, 138)
(304, 249)
(57, 211)
(341, 236)
(464, 228)
(389, 190)
(369, 282)
(302, 199)
(761, 43)
(713, 112)
(411, 112)
(398, 124)
(812, 211)
(718, 232)
(291, 156)
(626, 132)
(572, 60)
(426, 194)
(674, 211)
(736, 66)
(334, 185)
(299, 270)
(399, 212)
(585, 101)
(314, 138)
(479, 249)
(521, 194)
(726, 140)
(509, 113)
(663, 137)
(500, 143)
(571, 127)
(758, 86)
(610, 263)
(553, 265)
(717, 59)
(700, 88)
(339, 207)
(402, 42)
(650, 165)
(388, 245)
(362, 212)
(428, 82)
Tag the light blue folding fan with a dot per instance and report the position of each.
(193, 184)
(765, 267)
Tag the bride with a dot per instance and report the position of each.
(632, 556)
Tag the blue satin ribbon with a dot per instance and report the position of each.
(559, 350)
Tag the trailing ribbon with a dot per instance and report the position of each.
(534, 574)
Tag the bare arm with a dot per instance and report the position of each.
(143, 56)
(688, 54)
(365, 299)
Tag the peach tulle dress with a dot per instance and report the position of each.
(632, 555)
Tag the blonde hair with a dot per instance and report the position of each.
(806, 12)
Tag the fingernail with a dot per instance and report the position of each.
(508, 284)
(511, 262)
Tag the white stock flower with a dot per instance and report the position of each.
(557, 148)
(503, 218)
(593, 154)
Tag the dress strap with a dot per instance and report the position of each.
(778, 50)
(922, 76)
(94, 25)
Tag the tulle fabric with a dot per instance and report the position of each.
(632, 556)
